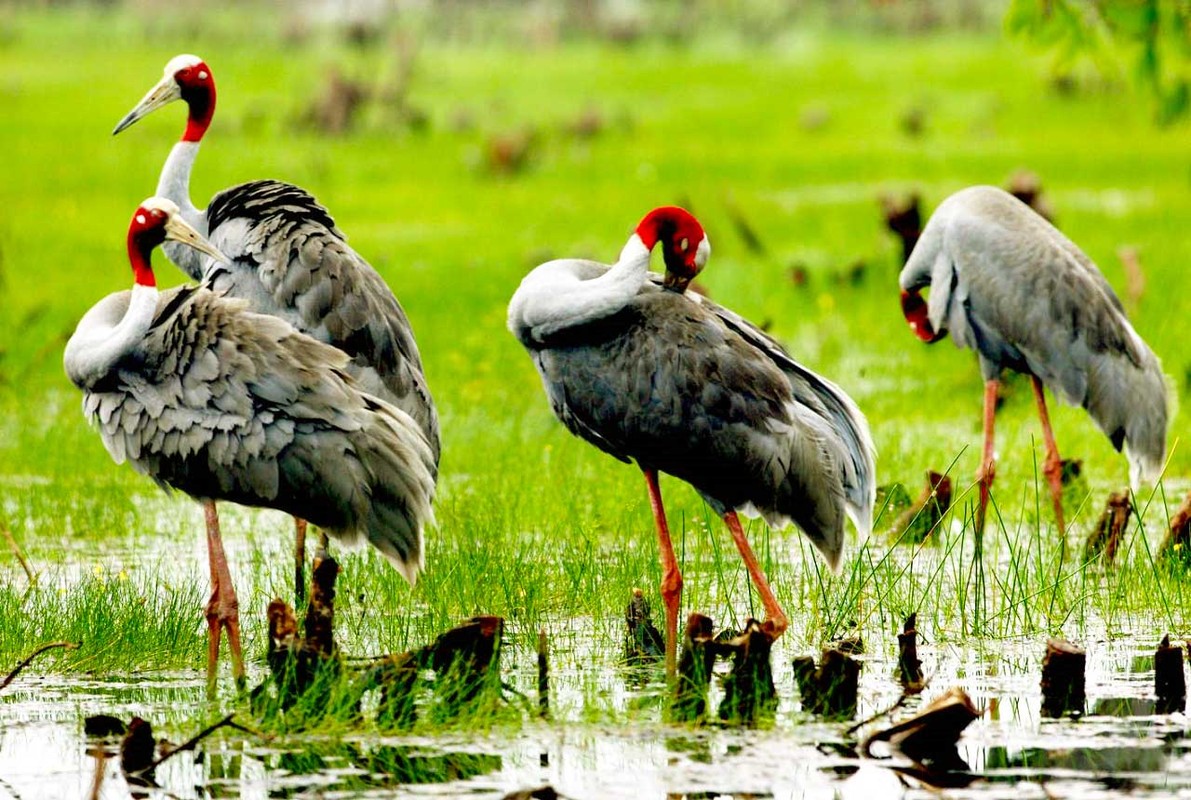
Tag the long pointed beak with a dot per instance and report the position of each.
(178, 231)
(166, 91)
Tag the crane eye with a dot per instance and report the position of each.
(684, 244)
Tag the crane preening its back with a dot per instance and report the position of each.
(203, 395)
(288, 259)
(648, 372)
(1007, 284)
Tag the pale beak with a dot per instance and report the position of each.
(165, 92)
(178, 231)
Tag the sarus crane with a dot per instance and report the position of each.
(288, 259)
(1007, 284)
(647, 371)
(203, 395)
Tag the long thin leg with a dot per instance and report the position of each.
(775, 618)
(671, 577)
(299, 561)
(223, 609)
(1052, 468)
(987, 463)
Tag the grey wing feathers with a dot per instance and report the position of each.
(290, 261)
(670, 383)
(1008, 284)
(230, 405)
(857, 453)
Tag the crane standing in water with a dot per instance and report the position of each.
(1007, 284)
(647, 371)
(288, 259)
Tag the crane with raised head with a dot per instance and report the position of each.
(649, 372)
(287, 258)
(1009, 285)
(205, 396)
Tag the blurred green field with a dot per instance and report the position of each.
(802, 132)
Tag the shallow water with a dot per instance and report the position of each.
(1012, 750)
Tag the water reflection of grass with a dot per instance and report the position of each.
(534, 525)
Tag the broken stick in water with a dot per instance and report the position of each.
(909, 666)
(930, 736)
(1105, 538)
(29, 659)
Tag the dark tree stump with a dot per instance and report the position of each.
(918, 521)
(909, 666)
(1105, 538)
(829, 690)
(465, 660)
(320, 613)
(1176, 549)
(749, 693)
(643, 643)
(1170, 684)
(694, 670)
(1026, 186)
(1063, 679)
(138, 752)
(903, 216)
(397, 678)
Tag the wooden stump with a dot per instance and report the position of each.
(694, 670)
(903, 216)
(1105, 538)
(643, 643)
(909, 667)
(1170, 684)
(918, 521)
(138, 752)
(1063, 679)
(831, 689)
(749, 693)
(1176, 549)
(310, 667)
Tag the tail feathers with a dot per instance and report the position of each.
(857, 453)
(399, 469)
(1129, 403)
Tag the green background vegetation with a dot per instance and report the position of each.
(799, 124)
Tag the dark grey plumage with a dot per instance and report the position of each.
(289, 260)
(687, 387)
(226, 404)
(1009, 285)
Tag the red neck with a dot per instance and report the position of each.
(201, 102)
(139, 251)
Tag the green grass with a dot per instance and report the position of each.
(533, 524)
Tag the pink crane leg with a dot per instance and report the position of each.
(223, 609)
(987, 462)
(1052, 468)
(776, 619)
(671, 577)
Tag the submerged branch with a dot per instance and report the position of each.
(28, 659)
